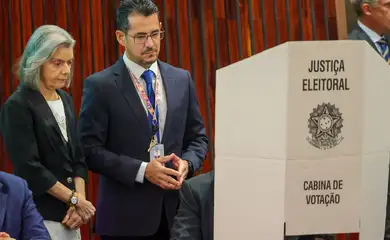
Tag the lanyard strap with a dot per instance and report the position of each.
(152, 112)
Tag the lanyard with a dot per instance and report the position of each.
(152, 112)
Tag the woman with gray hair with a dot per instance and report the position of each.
(38, 126)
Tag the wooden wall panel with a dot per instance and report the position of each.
(75, 30)
(50, 9)
(269, 18)
(61, 14)
(283, 22)
(260, 43)
(201, 37)
(320, 19)
(16, 36)
(183, 30)
(37, 13)
(26, 15)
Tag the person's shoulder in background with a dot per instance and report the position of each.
(204, 178)
(355, 33)
(24, 222)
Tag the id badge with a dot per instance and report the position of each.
(156, 151)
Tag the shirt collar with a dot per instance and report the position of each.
(137, 69)
(375, 37)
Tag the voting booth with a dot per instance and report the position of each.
(302, 140)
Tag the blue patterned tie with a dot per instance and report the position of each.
(148, 77)
(384, 49)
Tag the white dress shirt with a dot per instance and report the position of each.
(375, 37)
(138, 70)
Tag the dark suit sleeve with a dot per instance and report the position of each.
(79, 166)
(195, 140)
(93, 127)
(32, 221)
(16, 126)
(187, 225)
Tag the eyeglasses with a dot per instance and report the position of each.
(142, 38)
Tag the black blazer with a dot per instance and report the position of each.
(194, 220)
(37, 150)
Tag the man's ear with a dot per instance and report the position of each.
(121, 37)
(366, 9)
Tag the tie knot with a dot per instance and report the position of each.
(148, 76)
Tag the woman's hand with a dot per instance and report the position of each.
(85, 208)
(72, 219)
(5, 236)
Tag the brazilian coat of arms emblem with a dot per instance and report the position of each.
(325, 123)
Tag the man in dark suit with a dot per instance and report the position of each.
(373, 26)
(194, 219)
(19, 218)
(142, 131)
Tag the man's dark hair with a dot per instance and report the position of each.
(357, 5)
(127, 7)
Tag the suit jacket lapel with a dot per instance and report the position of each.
(387, 38)
(363, 36)
(169, 85)
(127, 87)
(44, 111)
(3, 205)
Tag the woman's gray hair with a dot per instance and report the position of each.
(40, 47)
(357, 5)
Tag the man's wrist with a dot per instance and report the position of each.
(190, 167)
(141, 174)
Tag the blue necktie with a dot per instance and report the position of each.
(384, 49)
(148, 77)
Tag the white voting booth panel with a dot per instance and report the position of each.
(302, 142)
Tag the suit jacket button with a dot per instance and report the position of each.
(69, 179)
